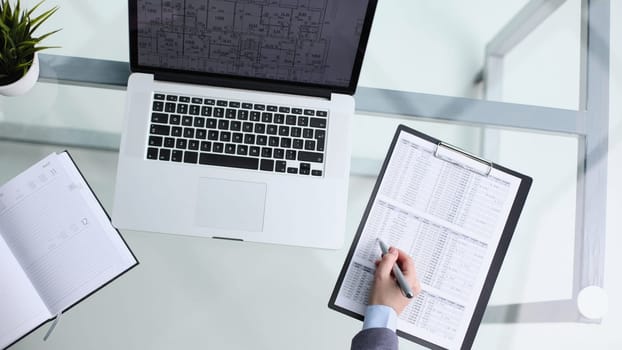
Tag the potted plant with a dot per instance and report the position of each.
(19, 63)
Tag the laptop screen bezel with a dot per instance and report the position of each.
(243, 82)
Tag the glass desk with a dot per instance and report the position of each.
(191, 292)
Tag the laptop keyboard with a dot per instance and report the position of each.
(238, 134)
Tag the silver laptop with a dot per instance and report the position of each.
(238, 118)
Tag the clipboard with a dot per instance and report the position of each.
(455, 214)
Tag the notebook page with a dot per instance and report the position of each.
(60, 235)
(450, 220)
(21, 308)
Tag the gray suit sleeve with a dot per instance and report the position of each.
(375, 339)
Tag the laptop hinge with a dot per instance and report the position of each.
(245, 84)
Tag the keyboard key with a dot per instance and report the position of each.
(310, 145)
(318, 123)
(321, 113)
(296, 132)
(267, 165)
(158, 106)
(165, 154)
(259, 107)
(169, 107)
(209, 101)
(230, 161)
(313, 157)
(181, 143)
(247, 105)
(155, 141)
(235, 125)
(212, 135)
(222, 103)
(184, 99)
(230, 148)
(182, 108)
(316, 172)
(290, 154)
(290, 120)
(273, 141)
(297, 144)
(242, 114)
(305, 168)
(171, 98)
(189, 133)
(266, 152)
(307, 133)
(297, 110)
(195, 110)
(279, 118)
(249, 139)
(218, 147)
(199, 122)
(320, 145)
(193, 145)
(210, 123)
(234, 104)
(176, 131)
(309, 112)
(223, 124)
(158, 96)
(160, 129)
(237, 137)
(197, 100)
(201, 134)
(272, 108)
(260, 128)
(159, 118)
(206, 146)
(262, 140)
(191, 157)
(284, 109)
(271, 129)
(255, 116)
(278, 153)
(247, 127)
(219, 112)
(186, 120)
(242, 150)
(291, 170)
(303, 121)
(175, 119)
(231, 113)
(283, 130)
(286, 142)
(176, 155)
(266, 117)
(152, 153)
(280, 166)
(169, 142)
(253, 151)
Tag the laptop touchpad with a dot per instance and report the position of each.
(229, 204)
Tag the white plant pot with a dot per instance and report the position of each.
(26, 82)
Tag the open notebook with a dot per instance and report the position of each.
(57, 245)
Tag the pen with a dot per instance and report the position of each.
(397, 272)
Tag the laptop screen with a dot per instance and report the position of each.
(318, 43)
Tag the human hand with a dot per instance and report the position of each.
(386, 290)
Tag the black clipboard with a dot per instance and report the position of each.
(454, 161)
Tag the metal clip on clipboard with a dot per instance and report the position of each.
(486, 166)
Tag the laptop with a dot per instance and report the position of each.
(238, 118)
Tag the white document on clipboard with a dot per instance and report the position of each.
(454, 214)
